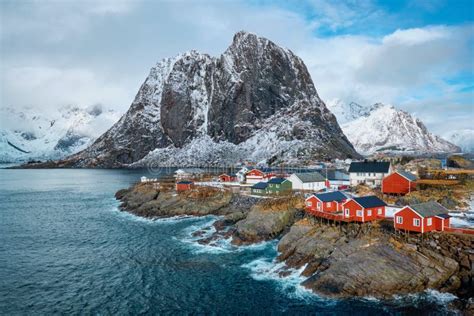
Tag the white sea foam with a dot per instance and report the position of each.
(268, 269)
(164, 220)
(465, 219)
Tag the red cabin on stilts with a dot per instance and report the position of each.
(364, 209)
(422, 218)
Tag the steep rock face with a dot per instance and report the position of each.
(383, 128)
(255, 95)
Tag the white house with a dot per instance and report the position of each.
(369, 172)
(308, 181)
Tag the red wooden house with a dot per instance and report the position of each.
(184, 186)
(326, 202)
(422, 218)
(227, 177)
(399, 182)
(364, 209)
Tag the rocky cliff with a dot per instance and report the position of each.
(256, 101)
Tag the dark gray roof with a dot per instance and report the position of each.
(429, 209)
(184, 182)
(410, 176)
(370, 166)
(277, 180)
(331, 196)
(260, 185)
(336, 175)
(369, 201)
(307, 177)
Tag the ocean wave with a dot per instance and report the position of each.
(218, 245)
(465, 219)
(268, 269)
(165, 220)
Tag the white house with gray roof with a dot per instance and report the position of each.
(308, 181)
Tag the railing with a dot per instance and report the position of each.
(330, 216)
(469, 231)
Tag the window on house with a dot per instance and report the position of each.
(347, 212)
(309, 203)
(399, 220)
(379, 211)
(277, 185)
(359, 213)
(429, 221)
(369, 212)
(328, 204)
(416, 222)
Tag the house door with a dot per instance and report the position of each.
(347, 212)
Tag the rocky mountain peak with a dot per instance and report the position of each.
(256, 100)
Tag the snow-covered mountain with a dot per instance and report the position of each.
(254, 102)
(383, 128)
(27, 134)
(463, 138)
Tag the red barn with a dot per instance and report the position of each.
(326, 202)
(422, 218)
(364, 209)
(399, 182)
(227, 177)
(184, 185)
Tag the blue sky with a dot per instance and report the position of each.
(416, 55)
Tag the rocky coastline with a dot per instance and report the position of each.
(339, 260)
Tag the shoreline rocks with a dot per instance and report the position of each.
(340, 261)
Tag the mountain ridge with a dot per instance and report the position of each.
(384, 128)
(240, 99)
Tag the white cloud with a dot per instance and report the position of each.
(100, 52)
(48, 88)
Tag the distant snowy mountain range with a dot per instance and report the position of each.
(464, 138)
(27, 134)
(384, 128)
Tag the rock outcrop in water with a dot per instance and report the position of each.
(359, 260)
(347, 260)
(254, 102)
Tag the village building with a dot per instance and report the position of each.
(326, 202)
(279, 186)
(364, 209)
(258, 175)
(370, 173)
(308, 181)
(337, 179)
(188, 173)
(422, 217)
(184, 185)
(228, 177)
(399, 182)
(259, 188)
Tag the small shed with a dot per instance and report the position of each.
(279, 186)
(399, 182)
(365, 208)
(184, 185)
(227, 177)
(259, 188)
(422, 217)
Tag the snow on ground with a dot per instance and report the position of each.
(29, 135)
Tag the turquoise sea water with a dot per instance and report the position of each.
(66, 249)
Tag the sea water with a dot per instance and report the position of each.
(65, 248)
